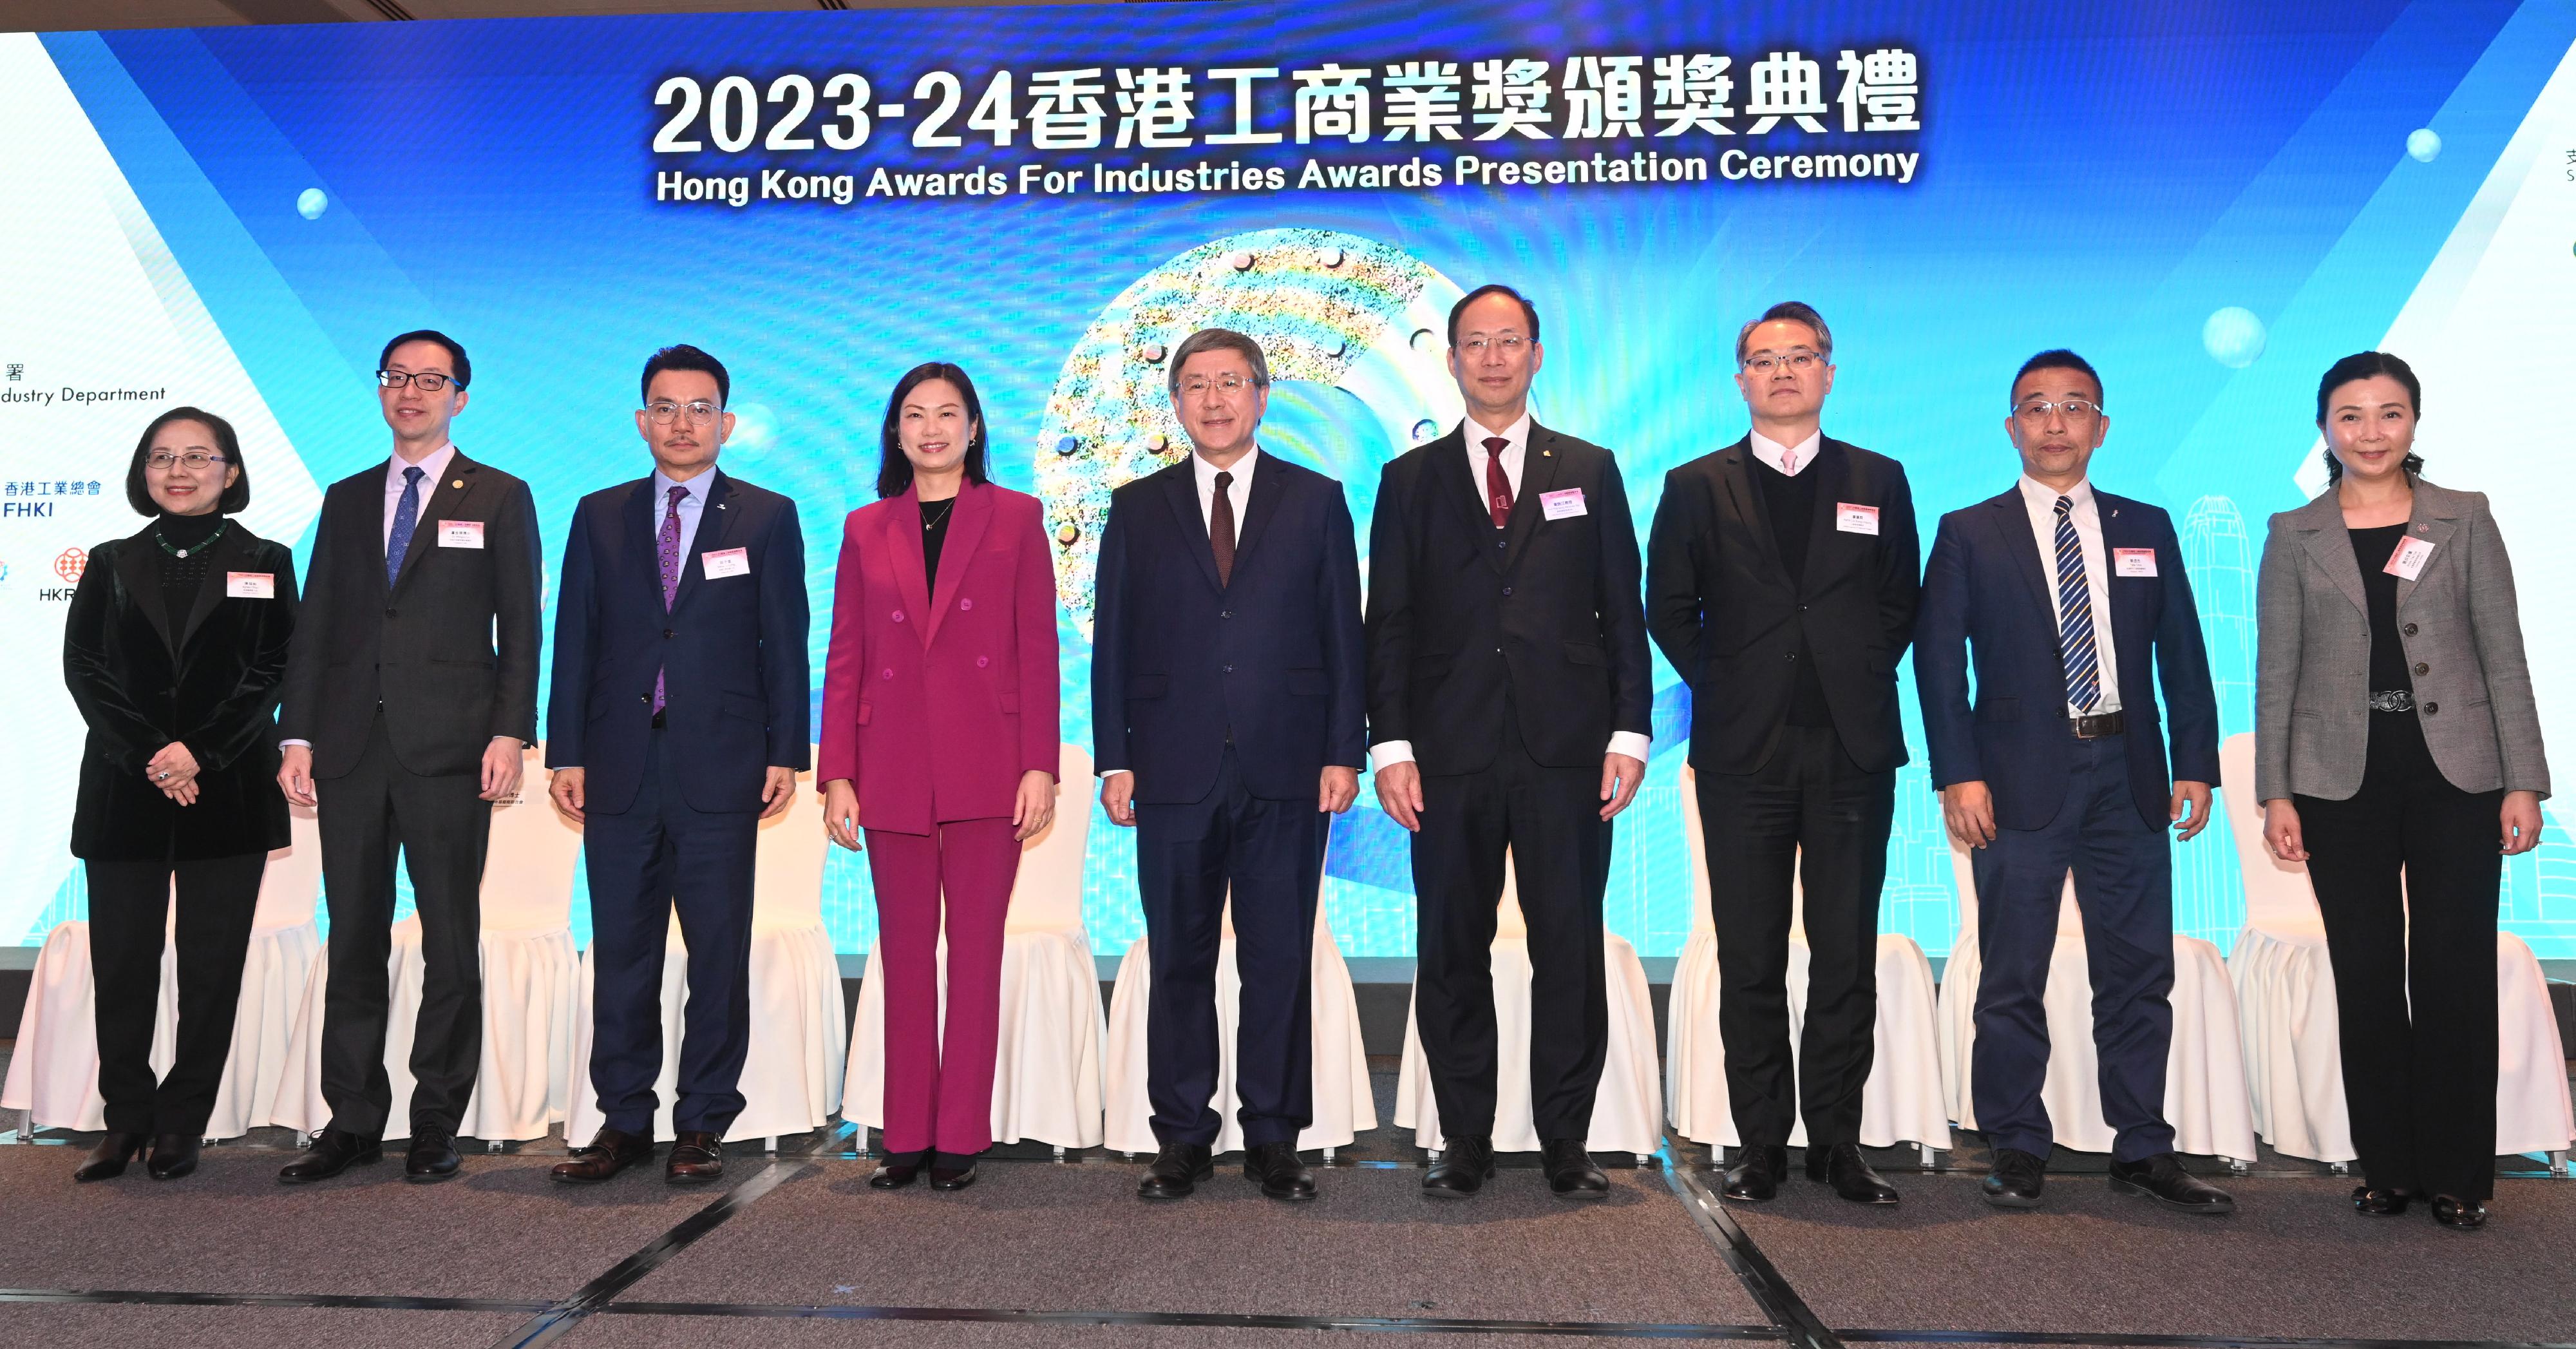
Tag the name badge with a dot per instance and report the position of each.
(2133, 562)
(1562, 505)
(2408, 561)
(726, 562)
(250, 585)
(1852, 519)
(460, 533)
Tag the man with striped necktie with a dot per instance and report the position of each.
(2069, 597)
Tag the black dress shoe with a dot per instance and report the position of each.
(1279, 1171)
(174, 1155)
(2463, 1214)
(1464, 1167)
(333, 1151)
(107, 1160)
(2162, 1179)
(898, 1169)
(2380, 1201)
(697, 1156)
(950, 1171)
(608, 1152)
(1176, 1171)
(2015, 1179)
(431, 1157)
(1570, 1172)
(1842, 1167)
(1755, 1177)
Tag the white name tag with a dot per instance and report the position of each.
(250, 585)
(2133, 562)
(726, 562)
(1562, 505)
(2408, 561)
(460, 533)
(1852, 519)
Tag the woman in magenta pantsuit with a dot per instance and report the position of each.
(939, 740)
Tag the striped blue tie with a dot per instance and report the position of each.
(2075, 616)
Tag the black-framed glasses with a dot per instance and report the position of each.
(427, 381)
(2076, 409)
(664, 411)
(162, 461)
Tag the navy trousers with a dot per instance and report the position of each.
(644, 861)
(1270, 855)
(2124, 886)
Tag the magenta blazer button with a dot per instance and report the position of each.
(982, 661)
(898, 615)
(965, 604)
(885, 674)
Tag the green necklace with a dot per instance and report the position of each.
(183, 552)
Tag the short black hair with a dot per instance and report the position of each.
(235, 499)
(1481, 292)
(2059, 358)
(1788, 311)
(2365, 365)
(464, 370)
(894, 470)
(686, 357)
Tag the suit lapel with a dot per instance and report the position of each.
(446, 502)
(966, 524)
(1452, 466)
(1538, 478)
(2434, 521)
(1825, 549)
(1269, 486)
(233, 549)
(2012, 528)
(1181, 492)
(715, 527)
(2330, 544)
(141, 577)
(1735, 498)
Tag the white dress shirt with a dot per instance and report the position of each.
(2041, 503)
(1238, 492)
(432, 466)
(691, 507)
(1790, 460)
(1514, 454)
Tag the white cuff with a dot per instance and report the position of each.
(1630, 743)
(1107, 773)
(1387, 752)
(307, 744)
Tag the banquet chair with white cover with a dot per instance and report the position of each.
(791, 1080)
(2205, 1097)
(1627, 1111)
(2285, 995)
(530, 985)
(1344, 1106)
(1901, 1102)
(1047, 1073)
(53, 1073)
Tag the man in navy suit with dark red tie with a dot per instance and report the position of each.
(2062, 599)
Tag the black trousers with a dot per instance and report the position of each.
(2414, 968)
(129, 914)
(1549, 819)
(441, 825)
(1812, 809)
(1270, 855)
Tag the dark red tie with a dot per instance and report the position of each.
(1498, 488)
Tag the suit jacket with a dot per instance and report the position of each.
(1550, 611)
(1722, 606)
(143, 677)
(934, 705)
(1984, 588)
(450, 646)
(2463, 636)
(730, 650)
(1272, 658)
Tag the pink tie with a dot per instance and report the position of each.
(1788, 461)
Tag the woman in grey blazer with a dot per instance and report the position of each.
(2397, 753)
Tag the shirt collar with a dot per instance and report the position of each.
(431, 466)
(698, 487)
(1204, 473)
(2044, 498)
(1771, 452)
(1515, 436)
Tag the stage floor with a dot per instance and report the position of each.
(796, 1250)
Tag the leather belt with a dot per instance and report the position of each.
(2098, 725)
(2392, 700)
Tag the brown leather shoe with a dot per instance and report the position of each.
(697, 1157)
(609, 1152)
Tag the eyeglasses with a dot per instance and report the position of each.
(1198, 385)
(162, 461)
(1510, 344)
(427, 381)
(2039, 410)
(1799, 360)
(665, 412)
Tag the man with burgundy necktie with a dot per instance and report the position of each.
(1228, 724)
(1509, 712)
(678, 721)
(2071, 608)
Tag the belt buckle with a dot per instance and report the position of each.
(2085, 726)
(2392, 700)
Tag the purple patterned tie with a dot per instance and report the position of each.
(670, 551)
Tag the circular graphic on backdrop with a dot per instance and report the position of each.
(1328, 308)
(310, 203)
(2424, 144)
(2233, 337)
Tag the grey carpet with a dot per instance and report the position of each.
(1077, 1238)
(108, 1327)
(500, 1230)
(2295, 1260)
(721, 1332)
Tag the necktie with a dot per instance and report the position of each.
(1788, 463)
(670, 551)
(1498, 486)
(1221, 529)
(406, 520)
(2075, 621)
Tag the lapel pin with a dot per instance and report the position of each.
(456, 482)
(2423, 529)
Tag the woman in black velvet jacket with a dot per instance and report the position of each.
(174, 650)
